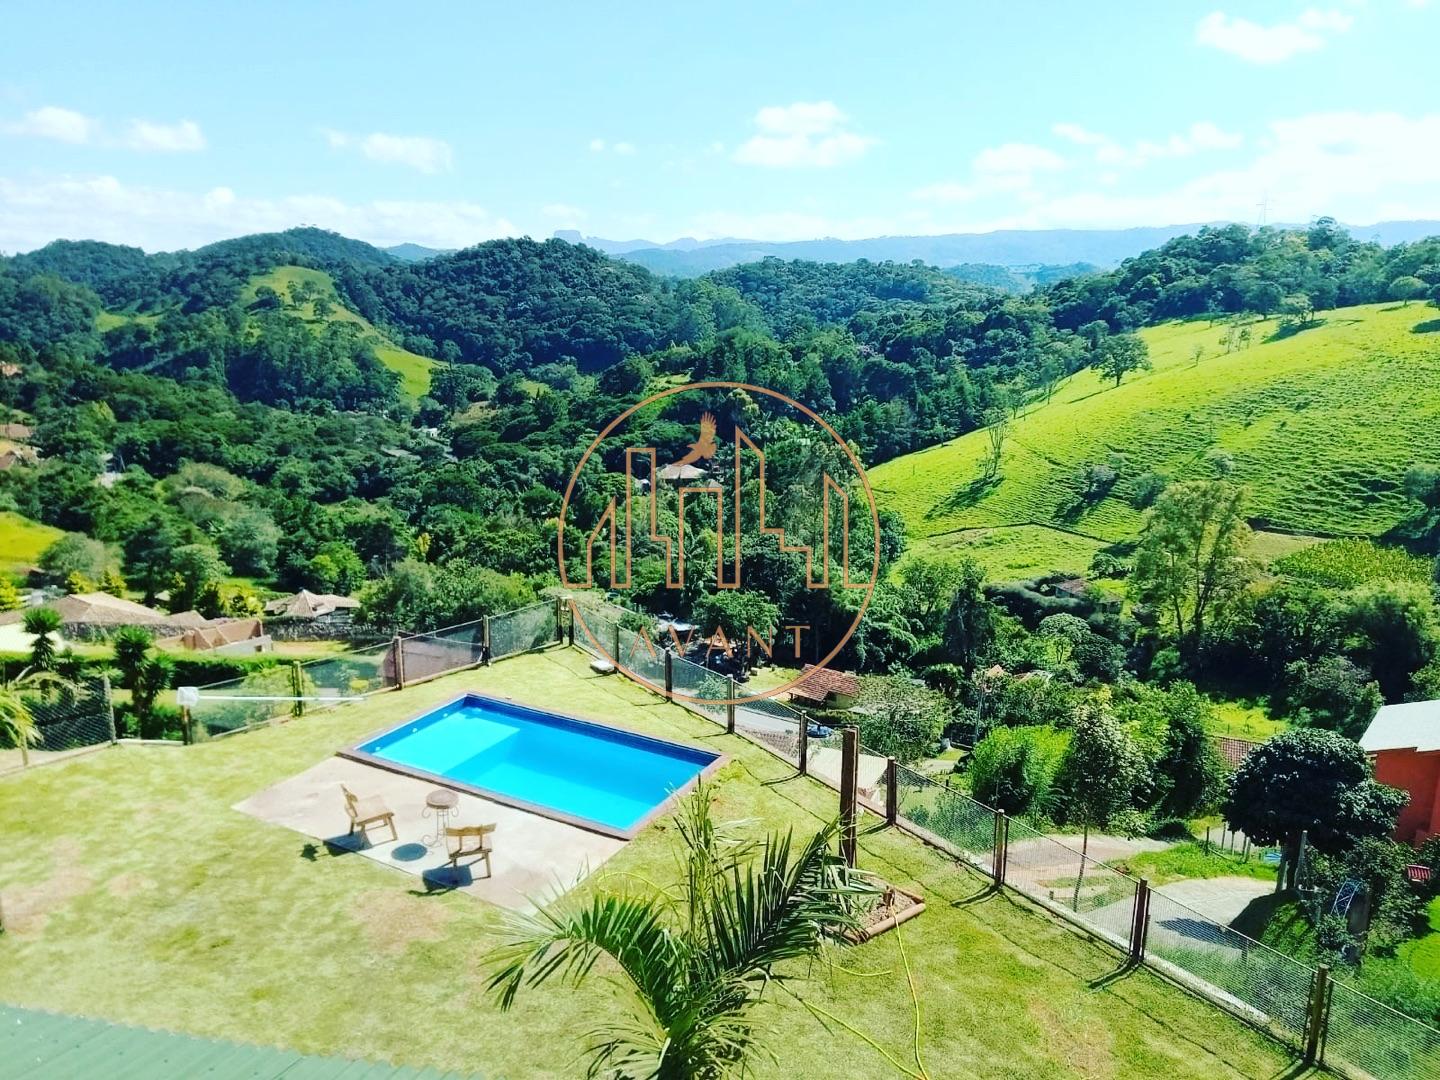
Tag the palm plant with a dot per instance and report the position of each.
(17, 722)
(698, 957)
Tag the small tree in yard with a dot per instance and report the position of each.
(17, 722)
(997, 428)
(1100, 774)
(41, 623)
(1314, 782)
(697, 957)
(1101, 771)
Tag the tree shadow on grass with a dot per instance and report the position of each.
(964, 496)
(1429, 326)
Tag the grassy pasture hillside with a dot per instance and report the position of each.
(1321, 426)
(414, 369)
(22, 541)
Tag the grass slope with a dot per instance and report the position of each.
(414, 369)
(22, 541)
(1321, 426)
(174, 911)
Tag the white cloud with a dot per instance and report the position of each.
(623, 148)
(53, 122)
(34, 212)
(1360, 167)
(597, 146)
(419, 152)
(185, 135)
(1009, 168)
(1201, 136)
(1270, 44)
(807, 134)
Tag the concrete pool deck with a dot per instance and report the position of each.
(535, 858)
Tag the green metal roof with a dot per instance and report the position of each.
(41, 1044)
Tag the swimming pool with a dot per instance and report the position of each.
(588, 774)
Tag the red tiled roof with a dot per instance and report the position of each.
(817, 683)
(1233, 750)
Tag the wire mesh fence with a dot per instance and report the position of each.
(293, 689)
(69, 717)
(1273, 987)
(1367, 1035)
(523, 629)
(773, 725)
(949, 818)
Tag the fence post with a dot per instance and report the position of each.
(559, 621)
(297, 684)
(849, 776)
(397, 659)
(669, 674)
(185, 732)
(804, 723)
(1140, 921)
(1002, 846)
(570, 623)
(1315, 1014)
(109, 710)
(615, 654)
(729, 705)
(892, 792)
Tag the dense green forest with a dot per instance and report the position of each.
(226, 421)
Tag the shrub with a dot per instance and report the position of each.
(1176, 830)
(1013, 769)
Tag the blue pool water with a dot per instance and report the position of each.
(609, 777)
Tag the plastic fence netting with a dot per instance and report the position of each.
(522, 630)
(426, 655)
(70, 717)
(1042, 867)
(774, 726)
(1367, 1035)
(708, 689)
(951, 817)
(1265, 981)
(349, 675)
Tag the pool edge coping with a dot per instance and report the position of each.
(354, 753)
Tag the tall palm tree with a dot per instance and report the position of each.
(700, 956)
(17, 722)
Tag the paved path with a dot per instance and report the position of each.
(1198, 904)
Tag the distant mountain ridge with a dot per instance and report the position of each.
(1011, 248)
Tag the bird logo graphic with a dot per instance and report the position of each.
(703, 447)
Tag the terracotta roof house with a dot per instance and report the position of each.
(1404, 741)
(230, 637)
(98, 609)
(311, 607)
(822, 688)
(89, 615)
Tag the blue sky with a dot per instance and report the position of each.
(447, 124)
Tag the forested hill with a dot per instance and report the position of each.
(210, 276)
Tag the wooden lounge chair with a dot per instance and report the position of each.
(464, 841)
(366, 812)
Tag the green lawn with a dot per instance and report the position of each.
(1301, 416)
(1184, 861)
(414, 369)
(1242, 720)
(22, 541)
(1423, 954)
(136, 894)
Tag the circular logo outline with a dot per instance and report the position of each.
(720, 385)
